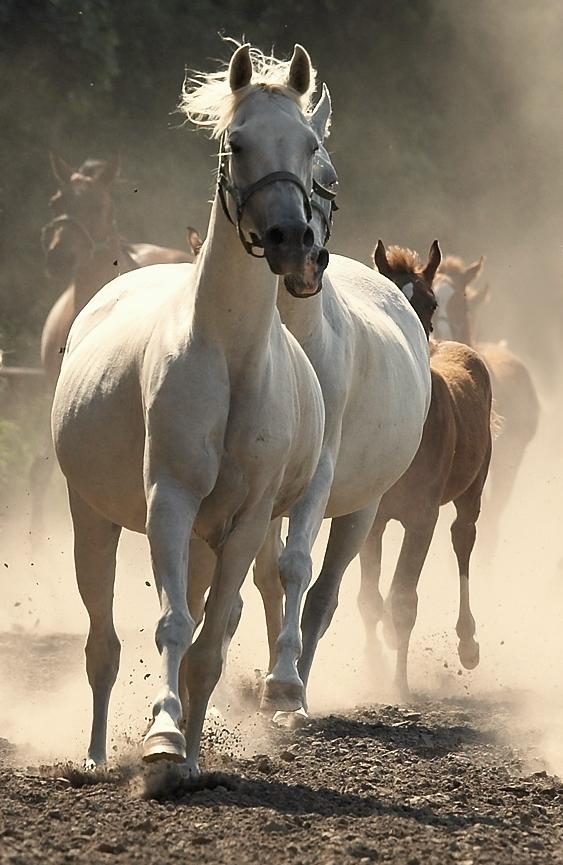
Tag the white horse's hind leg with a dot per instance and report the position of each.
(205, 657)
(170, 517)
(95, 546)
(347, 536)
(268, 583)
(283, 689)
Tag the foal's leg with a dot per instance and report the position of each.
(267, 580)
(171, 512)
(463, 539)
(95, 546)
(403, 597)
(370, 600)
(346, 538)
(206, 655)
(283, 689)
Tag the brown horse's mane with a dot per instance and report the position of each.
(452, 265)
(401, 258)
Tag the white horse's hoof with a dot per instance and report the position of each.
(164, 742)
(281, 696)
(291, 720)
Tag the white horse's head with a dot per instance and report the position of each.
(257, 107)
(325, 187)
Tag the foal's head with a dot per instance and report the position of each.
(404, 268)
(456, 297)
(257, 107)
(82, 211)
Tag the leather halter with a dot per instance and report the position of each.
(320, 191)
(65, 218)
(241, 197)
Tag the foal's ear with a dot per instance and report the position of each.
(434, 261)
(300, 70)
(240, 68)
(474, 270)
(109, 170)
(194, 239)
(320, 118)
(61, 169)
(380, 259)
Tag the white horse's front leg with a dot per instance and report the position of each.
(205, 657)
(171, 512)
(283, 689)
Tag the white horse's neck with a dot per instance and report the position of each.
(301, 316)
(235, 294)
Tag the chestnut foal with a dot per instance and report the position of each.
(515, 398)
(450, 466)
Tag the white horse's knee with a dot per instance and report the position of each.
(175, 629)
(296, 568)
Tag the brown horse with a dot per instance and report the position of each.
(450, 466)
(515, 398)
(83, 250)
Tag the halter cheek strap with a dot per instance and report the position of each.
(241, 198)
(65, 219)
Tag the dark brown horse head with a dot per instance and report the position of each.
(82, 211)
(457, 298)
(405, 269)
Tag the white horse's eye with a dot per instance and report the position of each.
(408, 290)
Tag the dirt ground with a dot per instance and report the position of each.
(431, 782)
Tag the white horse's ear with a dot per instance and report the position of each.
(434, 261)
(380, 259)
(300, 70)
(408, 290)
(240, 68)
(61, 169)
(320, 118)
(474, 270)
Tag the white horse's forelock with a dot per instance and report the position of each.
(208, 101)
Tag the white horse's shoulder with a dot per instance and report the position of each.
(131, 301)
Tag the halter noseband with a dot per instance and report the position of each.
(242, 197)
(65, 218)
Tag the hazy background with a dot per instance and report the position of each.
(447, 123)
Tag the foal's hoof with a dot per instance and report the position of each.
(468, 654)
(281, 696)
(164, 742)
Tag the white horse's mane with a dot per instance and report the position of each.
(208, 101)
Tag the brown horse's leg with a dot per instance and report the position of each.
(268, 583)
(95, 546)
(403, 598)
(370, 599)
(464, 532)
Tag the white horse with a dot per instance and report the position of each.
(184, 405)
(370, 354)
